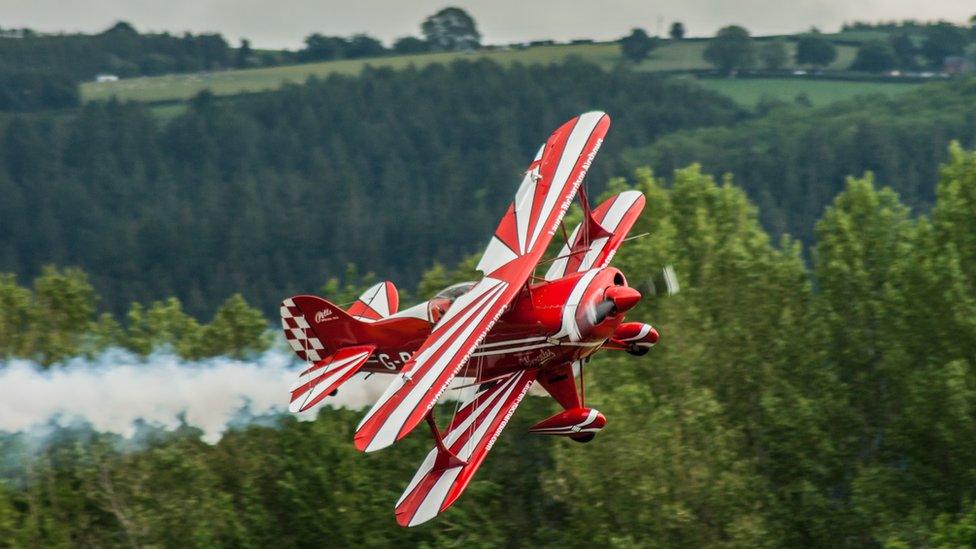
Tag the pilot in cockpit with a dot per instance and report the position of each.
(440, 303)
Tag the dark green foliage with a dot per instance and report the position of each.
(784, 407)
(270, 195)
(637, 45)
(26, 90)
(677, 31)
(874, 56)
(793, 161)
(905, 50)
(56, 319)
(941, 41)
(731, 49)
(327, 48)
(120, 50)
(815, 50)
(410, 44)
(451, 29)
(774, 55)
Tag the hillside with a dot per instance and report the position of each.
(794, 160)
(276, 192)
(670, 56)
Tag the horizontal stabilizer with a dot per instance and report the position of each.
(325, 376)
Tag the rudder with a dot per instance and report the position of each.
(316, 328)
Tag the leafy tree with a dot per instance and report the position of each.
(904, 50)
(637, 45)
(774, 54)
(451, 29)
(958, 531)
(731, 49)
(815, 50)
(942, 40)
(15, 305)
(322, 48)
(410, 44)
(874, 56)
(236, 330)
(61, 313)
(362, 45)
(245, 55)
(677, 31)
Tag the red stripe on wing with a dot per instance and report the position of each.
(317, 382)
(594, 247)
(470, 436)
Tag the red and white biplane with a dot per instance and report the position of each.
(501, 333)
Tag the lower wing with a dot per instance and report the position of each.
(469, 437)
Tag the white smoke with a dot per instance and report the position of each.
(116, 390)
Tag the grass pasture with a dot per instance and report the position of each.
(748, 91)
(671, 56)
(183, 86)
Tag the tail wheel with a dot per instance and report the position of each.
(583, 437)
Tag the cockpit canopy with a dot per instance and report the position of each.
(442, 301)
(455, 291)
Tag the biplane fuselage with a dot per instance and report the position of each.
(532, 333)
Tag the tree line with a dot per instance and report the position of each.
(57, 318)
(907, 48)
(41, 71)
(830, 404)
(268, 195)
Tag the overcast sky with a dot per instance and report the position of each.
(283, 23)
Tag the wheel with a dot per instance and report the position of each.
(583, 437)
(334, 392)
(638, 351)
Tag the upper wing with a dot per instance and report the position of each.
(596, 239)
(469, 437)
(521, 238)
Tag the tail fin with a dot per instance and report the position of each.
(316, 328)
(376, 303)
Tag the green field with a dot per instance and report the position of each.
(748, 91)
(670, 56)
(184, 86)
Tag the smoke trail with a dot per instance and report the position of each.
(116, 390)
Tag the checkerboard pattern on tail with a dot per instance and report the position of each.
(299, 334)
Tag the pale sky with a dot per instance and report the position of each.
(284, 23)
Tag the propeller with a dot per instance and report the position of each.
(664, 283)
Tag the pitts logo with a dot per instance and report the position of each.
(535, 358)
(325, 315)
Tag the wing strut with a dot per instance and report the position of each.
(446, 459)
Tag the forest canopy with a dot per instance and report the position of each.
(786, 405)
(273, 193)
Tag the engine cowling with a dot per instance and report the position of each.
(580, 424)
